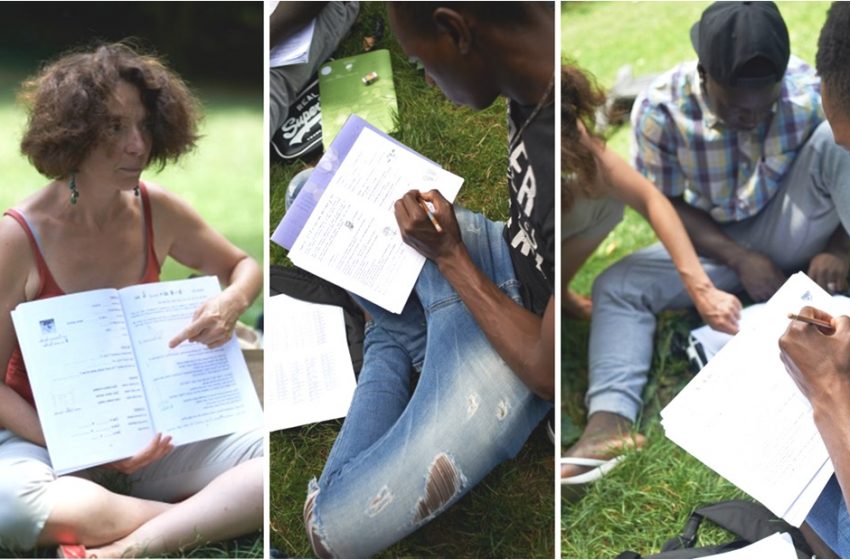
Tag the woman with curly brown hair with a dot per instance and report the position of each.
(97, 120)
(596, 183)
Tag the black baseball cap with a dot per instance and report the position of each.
(731, 34)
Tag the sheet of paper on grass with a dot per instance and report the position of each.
(342, 226)
(744, 417)
(312, 378)
(777, 546)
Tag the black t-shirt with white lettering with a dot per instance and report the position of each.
(530, 231)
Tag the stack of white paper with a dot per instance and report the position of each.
(744, 417)
(312, 379)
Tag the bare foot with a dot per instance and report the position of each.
(606, 436)
(576, 306)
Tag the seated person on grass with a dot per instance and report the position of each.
(332, 20)
(737, 141)
(479, 328)
(97, 120)
(595, 185)
(819, 360)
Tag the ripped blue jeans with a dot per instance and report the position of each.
(404, 456)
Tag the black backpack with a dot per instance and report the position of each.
(305, 286)
(748, 521)
(300, 135)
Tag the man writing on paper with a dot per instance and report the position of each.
(819, 359)
(736, 141)
(480, 326)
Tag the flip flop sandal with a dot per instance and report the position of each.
(601, 467)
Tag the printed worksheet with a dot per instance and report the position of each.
(88, 391)
(744, 417)
(105, 381)
(351, 237)
(193, 392)
(312, 378)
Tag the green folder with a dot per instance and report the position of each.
(342, 91)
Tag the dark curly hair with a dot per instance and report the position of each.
(833, 57)
(580, 99)
(67, 107)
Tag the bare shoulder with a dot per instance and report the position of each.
(165, 203)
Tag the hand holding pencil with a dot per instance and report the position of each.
(427, 222)
(822, 323)
(818, 359)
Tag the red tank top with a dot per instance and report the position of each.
(16, 372)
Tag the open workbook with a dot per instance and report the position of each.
(342, 225)
(744, 417)
(105, 381)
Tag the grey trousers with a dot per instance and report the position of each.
(332, 23)
(813, 199)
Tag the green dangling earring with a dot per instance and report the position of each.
(75, 194)
(136, 190)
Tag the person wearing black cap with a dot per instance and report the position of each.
(819, 360)
(737, 141)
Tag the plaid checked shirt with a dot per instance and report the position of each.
(682, 147)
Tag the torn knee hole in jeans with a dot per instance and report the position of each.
(316, 540)
(444, 482)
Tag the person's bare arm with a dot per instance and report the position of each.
(758, 273)
(719, 309)
(818, 361)
(16, 262)
(192, 242)
(525, 341)
(289, 17)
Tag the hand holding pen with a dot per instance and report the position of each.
(427, 223)
(818, 359)
(429, 209)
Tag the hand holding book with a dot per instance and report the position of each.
(159, 447)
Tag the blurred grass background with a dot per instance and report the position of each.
(647, 499)
(511, 513)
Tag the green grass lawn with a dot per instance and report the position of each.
(222, 179)
(511, 513)
(646, 500)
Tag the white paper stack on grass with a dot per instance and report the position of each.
(744, 417)
(312, 378)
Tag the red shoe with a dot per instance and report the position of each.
(71, 551)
